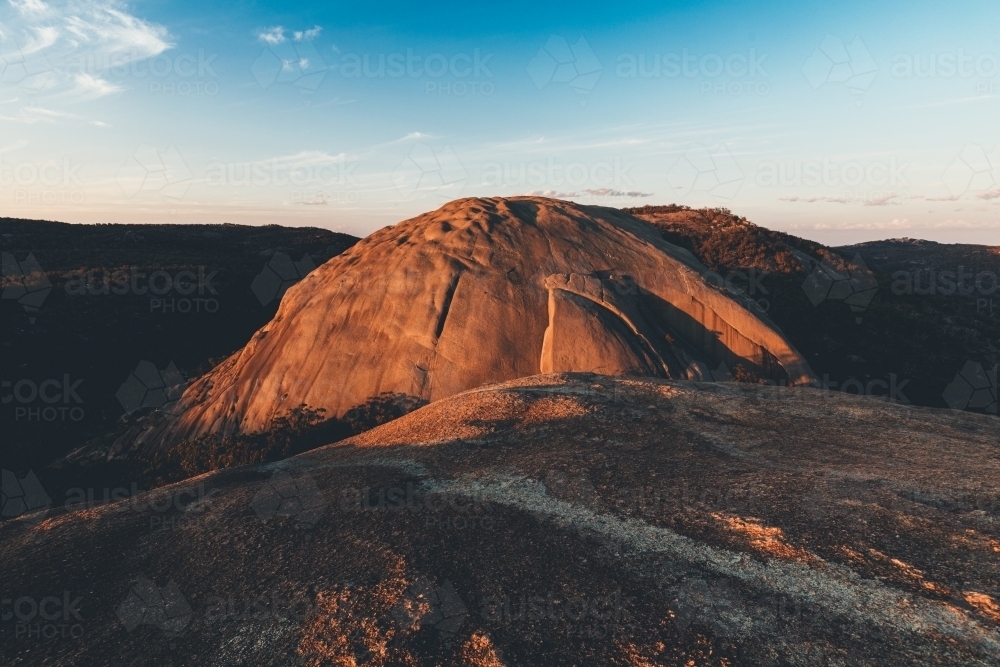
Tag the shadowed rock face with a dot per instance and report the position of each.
(480, 291)
(553, 520)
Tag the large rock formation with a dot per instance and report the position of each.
(552, 520)
(480, 291)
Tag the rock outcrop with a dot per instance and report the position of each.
(553, 520)
(481, 291)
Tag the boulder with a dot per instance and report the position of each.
(482, 291)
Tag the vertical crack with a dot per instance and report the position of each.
(446, 307)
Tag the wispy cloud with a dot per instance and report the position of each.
(90, 87)
(64, 49)
(884, 200)
(411, 136)
(813, 200)
(32, 115)
(20, 143)
(898, 224)
(594, 192)
(989, 194)
(274, 35)
(29, 7)
(555, 194)
(610, 192)
(307, 35)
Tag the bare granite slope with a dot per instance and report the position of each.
(571, 519)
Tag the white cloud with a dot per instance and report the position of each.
(310, 158)
(610, 192)
(32, 115)
(39, 39)
(554, 194)
(813, 200)
(900, 223)
(411, 136)
(307, 35)
(91, 87)
(20, 143)
(989, 194)
(117, 35)
(884, 200)
(64, 49)
(29, 7)
(594, 192)
(272, 36)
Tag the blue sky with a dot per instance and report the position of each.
(839, 123)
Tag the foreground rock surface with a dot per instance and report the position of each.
(554, 520)
(482, 291)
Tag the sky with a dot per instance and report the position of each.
(838, 122)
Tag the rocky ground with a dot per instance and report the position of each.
(553, 520)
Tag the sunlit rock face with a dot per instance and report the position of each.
(481, 291)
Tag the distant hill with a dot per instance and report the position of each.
(102, 316)
(917, 255)
(892, 331)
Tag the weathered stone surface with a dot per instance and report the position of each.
(464, 296)
(719, 524)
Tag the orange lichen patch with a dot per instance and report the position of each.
(634, 657)
(909, 571)
(56, 521)
(768, 539)
(974, 540)
(478, 651)
(345, 620)
(548, 409)
(851, 554)
(986, 605)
